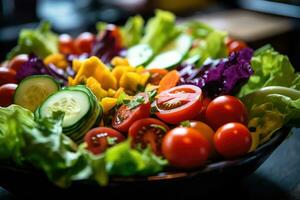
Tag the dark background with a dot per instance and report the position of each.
(255, 21)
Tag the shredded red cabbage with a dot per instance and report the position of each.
(36, 66)
(217, 77)
(108, 45)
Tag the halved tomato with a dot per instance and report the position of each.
(148, 131)
(126, 116)
(99, 139)
(179, 103)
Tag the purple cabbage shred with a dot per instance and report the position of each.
(219, 77)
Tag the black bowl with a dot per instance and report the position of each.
(21, 181)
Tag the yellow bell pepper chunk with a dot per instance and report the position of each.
(130, 81)
(119, 61)
(111, 92)
(93, 67)
(108, 103)
(119, 70)
(96, 88)
(76, 64)
(140, 69)
(144, 78)
(56, 59)
(107, 79)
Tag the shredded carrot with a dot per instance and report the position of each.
(169, 80)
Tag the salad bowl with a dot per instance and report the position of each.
(105, 111)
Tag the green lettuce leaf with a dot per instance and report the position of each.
(41, 41)
(269, 109)
(121, 160)
(159, 30)
(11, 141)
(42, 144)
(270, 69)
(211, 46)
(132, 31)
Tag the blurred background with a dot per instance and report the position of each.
(255, 21)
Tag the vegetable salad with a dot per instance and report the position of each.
(132, 100)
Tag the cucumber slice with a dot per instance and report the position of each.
(165, 60)
(139, 54)
(172, 53)
(75, 104)
(33, 90)
(182, 44)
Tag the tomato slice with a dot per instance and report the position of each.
(148, 131)
(98, 139)
(126, 116)
(179, 103)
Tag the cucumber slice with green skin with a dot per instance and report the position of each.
(33, 90)
(139, 54)
(182, 44)
(74, 103)
(165, 60)
(172, 54)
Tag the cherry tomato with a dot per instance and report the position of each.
(66, 44)
(156, 75)
(235, 45)
(206, 101)
(7, 92)
(148, 131)
(232, 140)
(179, 103)
(185, 148)
(7, 76)
(126, 116)
(225, 109)
(18, 61)
(97, 139)
(208, 133)
(84, 42)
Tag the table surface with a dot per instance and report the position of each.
(277, 178)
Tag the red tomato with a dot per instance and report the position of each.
(7, 92)
(7, 76)
(179, 103)
(156, 75)
(208, 133)
(225, 109)
(18, 61)
(206, 101)
(126, 116)
(232, 140)
(97, 139)
(148, 131)
(235, 45)
(66, 44)
(185, 148)
(84, 42)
